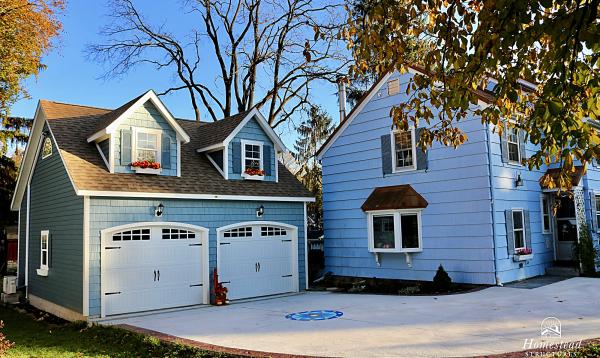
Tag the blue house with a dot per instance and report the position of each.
(394, 211)
(131, 210)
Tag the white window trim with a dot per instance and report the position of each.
(43, 270)
(397, 230)
(414, 151)
(508, 142)
(46, 155)
(245, 142)
(137, 130)
(542, 214)
(523, 229)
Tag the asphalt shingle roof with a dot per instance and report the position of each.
(72, 124)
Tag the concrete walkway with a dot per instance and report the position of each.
(490, 321)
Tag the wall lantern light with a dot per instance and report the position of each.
(260, 211)
(518, 180)
(159, 210)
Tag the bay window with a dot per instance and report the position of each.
(394, 231)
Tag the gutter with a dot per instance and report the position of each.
(493, 202)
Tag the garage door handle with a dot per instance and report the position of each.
(112, 247)
(112, 293)
(225, 243)
(286, 276)
(154, 275)
(286, 240)
(225, 282)
(196, 285)
(195, 245)
(158, 275)
(259, 267)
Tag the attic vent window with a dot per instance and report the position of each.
(393, 87)
(47, 149)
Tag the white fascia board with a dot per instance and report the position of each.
(128, 194)
(31, 149)
(211, 148)
(354, 113)
(264, 125)
(62, 159)
(150, 95)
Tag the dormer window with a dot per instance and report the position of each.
(147, 147)
(252, 160)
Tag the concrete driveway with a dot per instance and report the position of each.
(490, 321)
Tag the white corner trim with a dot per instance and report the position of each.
(129, 194)
(178, 158)
(306, 246)
(18, 246)
(215, 165)
(354, 113)
(102, 155)
(27, 239)
(150, 95)
(86, 252)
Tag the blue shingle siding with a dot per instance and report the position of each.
(22, 228)
(56, 207)
(252, 131)
(212, 214)
(147, 116)
(457, 230)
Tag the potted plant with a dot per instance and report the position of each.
(146, 167)
(523, 254)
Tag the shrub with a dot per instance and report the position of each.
(5, 344)
(441, 280)
(585, 251)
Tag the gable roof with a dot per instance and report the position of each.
(218, 131)
(111, 120)
(483, 95)
(70, 127)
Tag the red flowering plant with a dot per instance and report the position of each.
(524, 251)
(254, 171)
(146, 164)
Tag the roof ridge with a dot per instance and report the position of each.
(77, 105)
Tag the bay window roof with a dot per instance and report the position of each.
(394, 198)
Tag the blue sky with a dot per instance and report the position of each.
(73, 78)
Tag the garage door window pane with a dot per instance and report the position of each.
(136, 235)
(272, 231)
(383, 232)
(176, 234)
(245, 231)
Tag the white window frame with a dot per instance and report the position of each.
(134, 142)
(545, 211)
(522, 229)
(43, 270)
(508, 143)
(397, 214)
(245, 142)
(46, 154)
(395, 169)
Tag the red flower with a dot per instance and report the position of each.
(524, 251)
(144, 164)
(254, 171)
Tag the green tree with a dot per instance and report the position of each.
(312, 133)
(554, 44)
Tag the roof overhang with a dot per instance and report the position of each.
(148, 96)
(398, 197)
(576, 175)
(254, 113)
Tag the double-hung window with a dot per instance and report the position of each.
(519, 229)
(404, 150)
(147, 146)
(252, 159)
(44, 250)
(395, 231)
(546, 217)
(512, 139)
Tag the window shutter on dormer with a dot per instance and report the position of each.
(267, 153)
(421, 155)
(386, 153)
(125, 147)
(504, 146)
(165, 152)
(236, 157)
(510, 238)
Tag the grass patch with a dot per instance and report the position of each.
(52, 338)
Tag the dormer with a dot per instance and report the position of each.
(140, 137)
(243, 147)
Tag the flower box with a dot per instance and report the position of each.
(522, 257)
(254, 174)
(139, 170)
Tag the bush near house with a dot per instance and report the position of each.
(36, 334)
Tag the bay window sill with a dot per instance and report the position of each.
(394, 251)
(42, 272)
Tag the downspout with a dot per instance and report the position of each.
(488, 144)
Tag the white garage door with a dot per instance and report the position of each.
(153, 266)
(257, 259)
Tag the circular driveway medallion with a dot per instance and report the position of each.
(318, 315)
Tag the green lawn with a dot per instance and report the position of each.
(35, 338)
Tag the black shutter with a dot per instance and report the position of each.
(125, 147)
(386, 153)
(510, 235)
(165, 156)
(421, 155)
(236, 157)
(267, 153)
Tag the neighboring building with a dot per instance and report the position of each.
(393, 211)
(100, 236)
